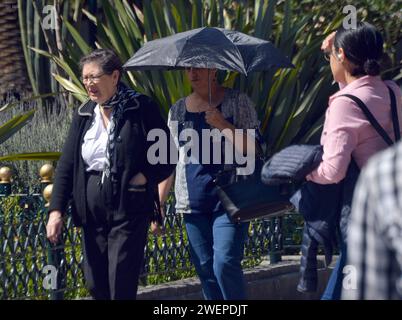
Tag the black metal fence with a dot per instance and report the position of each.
(32, 268)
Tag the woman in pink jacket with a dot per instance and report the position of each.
(354, 56)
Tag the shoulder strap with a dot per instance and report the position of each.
(370, 118)
(394, 113)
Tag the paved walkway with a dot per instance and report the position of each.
(264, 282)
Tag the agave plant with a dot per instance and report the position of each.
(25, 14)
(41, 27)
(285, 99)
(16, 123)
(290, 103)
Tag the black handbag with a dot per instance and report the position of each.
(245, 197)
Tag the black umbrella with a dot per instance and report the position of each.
(212, 48)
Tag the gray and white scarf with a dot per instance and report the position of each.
(118, 103)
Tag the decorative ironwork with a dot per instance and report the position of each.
(27, 259)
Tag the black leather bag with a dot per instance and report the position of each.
(246, 198)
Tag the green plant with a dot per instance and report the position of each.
(24, 252)
(290, 103)
(41, 139)
(42, 27)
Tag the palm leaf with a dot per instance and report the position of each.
(8, 129)
(34, 156)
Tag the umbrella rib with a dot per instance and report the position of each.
(179, 54)
(245, 71)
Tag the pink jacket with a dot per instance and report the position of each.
(348, 133)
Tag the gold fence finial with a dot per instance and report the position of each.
(5, 175)
(46, 173)
(47, 193)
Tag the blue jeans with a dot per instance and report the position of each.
(216, 250)
(333, 290)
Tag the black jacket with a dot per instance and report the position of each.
(131, 153)
(325, 208)
(291, 164)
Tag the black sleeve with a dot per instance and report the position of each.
(63, 184)
(156, 173)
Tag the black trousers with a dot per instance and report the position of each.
(113, 250)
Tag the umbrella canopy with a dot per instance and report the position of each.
(212, 48)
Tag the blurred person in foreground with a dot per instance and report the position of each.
(375, 231)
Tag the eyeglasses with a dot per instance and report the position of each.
(94, 79)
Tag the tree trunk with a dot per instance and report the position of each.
(13, 76)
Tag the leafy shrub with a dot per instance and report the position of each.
(46, 131)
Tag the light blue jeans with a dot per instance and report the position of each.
(333, 291)
(216, 249)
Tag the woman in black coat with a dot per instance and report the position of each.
(104, 170)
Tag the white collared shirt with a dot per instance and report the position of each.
(93, 149)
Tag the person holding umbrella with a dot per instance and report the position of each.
(216, 243)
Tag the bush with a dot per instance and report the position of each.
(46, 132)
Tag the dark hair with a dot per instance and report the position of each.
(363, 47)
(107, 60)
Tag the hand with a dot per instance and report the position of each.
(54, 226)
(156, 228)
(139, 179)
(328, 42)
(215, 118)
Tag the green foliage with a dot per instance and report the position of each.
(290, 103)
(177, 266)
(18, 121)
(40, 140)
(292, 233)
(12, 126)
(25, 251)
(34, 18)
(19, 242)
